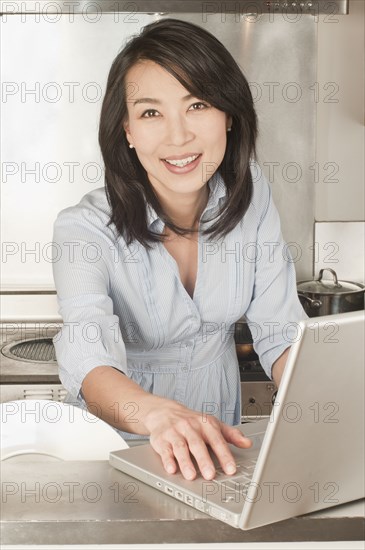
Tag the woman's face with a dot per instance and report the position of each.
(163, 123)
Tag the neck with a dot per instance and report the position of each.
(186, 211)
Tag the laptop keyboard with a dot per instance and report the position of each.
(240, 480)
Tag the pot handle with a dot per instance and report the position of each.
(312, 303)
(334, 274)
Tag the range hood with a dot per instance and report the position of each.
(240, 8)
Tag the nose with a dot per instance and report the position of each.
(178, 131)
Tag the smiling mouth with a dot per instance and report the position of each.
(182, 162)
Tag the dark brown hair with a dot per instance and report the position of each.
(209, 72)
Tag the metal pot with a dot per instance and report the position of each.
(325, 297)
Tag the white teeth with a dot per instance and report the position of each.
(182, 162)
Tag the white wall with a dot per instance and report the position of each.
(340, 124)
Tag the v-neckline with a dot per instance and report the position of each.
(176, 269)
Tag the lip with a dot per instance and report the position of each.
(181, 170)
(179, 157)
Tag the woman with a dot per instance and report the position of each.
(182, 242)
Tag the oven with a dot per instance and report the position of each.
(258, 392)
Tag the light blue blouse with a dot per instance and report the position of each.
(125, 306)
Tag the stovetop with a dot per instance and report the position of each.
(27, 355)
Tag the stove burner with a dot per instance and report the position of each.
(35, 350)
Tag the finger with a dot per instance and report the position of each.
(181, 452)
(167, 456)
(200, 452)
(235, 436)
(220, 448)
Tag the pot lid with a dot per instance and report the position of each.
(329, 286)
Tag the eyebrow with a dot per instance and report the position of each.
(157, 101)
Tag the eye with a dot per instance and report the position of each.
(148, 111)
(201, 105)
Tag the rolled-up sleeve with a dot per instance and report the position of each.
(275, 310)
(82, 269)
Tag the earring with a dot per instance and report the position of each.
(131, 146)
(229, 129)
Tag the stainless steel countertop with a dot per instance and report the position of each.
(92, 503)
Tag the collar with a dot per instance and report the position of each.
(217, 191)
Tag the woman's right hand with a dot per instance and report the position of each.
(176, 431)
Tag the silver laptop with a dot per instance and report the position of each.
(307, 456)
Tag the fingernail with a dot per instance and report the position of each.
(230, 468)
(170, 468)
(208, 472)
(189, 473)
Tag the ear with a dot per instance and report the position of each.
(127, 131)
(229, 121)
